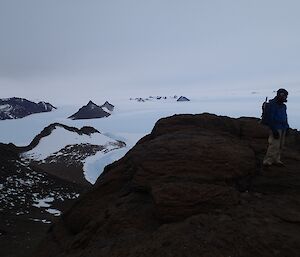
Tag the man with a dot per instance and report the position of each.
(278, 125)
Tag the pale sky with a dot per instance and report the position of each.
(75, 50)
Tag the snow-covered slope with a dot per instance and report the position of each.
(61, 138)
(65, 150)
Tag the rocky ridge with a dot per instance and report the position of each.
(86, 130)
(193, 187)
(66, 162)
(16, 108)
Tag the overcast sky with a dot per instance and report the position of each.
(75, 50)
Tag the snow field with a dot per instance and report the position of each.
(132, 120)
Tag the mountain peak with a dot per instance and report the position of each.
(91, 103)
(108, 106)
(90, 111)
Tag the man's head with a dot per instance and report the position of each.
(282, 95)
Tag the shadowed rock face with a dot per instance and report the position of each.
(193, 187)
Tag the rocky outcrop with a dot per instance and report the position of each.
(15, 108)
(90, 111)
(193, 187)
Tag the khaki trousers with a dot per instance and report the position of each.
(275, 148)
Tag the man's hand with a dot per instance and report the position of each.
(275, 134)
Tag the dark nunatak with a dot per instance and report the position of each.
(16, 108)
(93, 111)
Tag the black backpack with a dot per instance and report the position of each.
(265, 116)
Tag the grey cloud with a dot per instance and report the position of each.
(143, 42)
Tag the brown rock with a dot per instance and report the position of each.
(176, 201)
(203, 156)
(178, 193)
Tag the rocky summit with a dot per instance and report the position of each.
(92, 111)
(193, 187)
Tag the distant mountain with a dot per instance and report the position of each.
(153, 98)
(16, 108)
(182, 99)
(108, 107)
(91, 111)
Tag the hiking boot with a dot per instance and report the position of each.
(267, 164)
(279, 164)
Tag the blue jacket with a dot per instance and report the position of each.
(278, 116)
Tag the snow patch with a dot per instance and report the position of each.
(40, 203)
(5, 107)
(54, 212)
(94, 165)
(44, 105)
(41, 220)
(106, 110)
